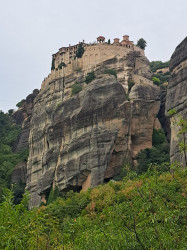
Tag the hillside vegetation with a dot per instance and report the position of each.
(8, 159)
(139, 212)
(155, 65)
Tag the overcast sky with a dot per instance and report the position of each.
(32, 30)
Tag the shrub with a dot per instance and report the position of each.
(130, 85)
(90, 77)
(110, 72)
(78, 70)
(127, 96)
(20, 103)
(53, 195)
(53, 64)
(158, 137)
(10, 111)
(76, 88)
(156, 81)
(162, 77)
(62, 64)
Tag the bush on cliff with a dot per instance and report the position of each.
(20, 103)
(130, 85)
(62, 64)
(76, 88)
(111, 72)
(156, 80)
(90, 77)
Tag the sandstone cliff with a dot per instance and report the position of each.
(79, 141)
(177, 96)
(22, 117)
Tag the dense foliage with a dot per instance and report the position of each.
(158, 65)
(141, 43)
(156, 80)
(158, 154)
(90, 77)
(80, 50)
(8, 159)
(160, 78)
(140, 212)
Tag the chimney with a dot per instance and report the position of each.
(126, 38)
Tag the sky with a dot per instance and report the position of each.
(32, 30)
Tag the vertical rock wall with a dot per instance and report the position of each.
(79, 141)
(177, 98)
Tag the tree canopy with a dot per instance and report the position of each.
(141, 43)
(80, 50)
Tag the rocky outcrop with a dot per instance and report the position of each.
(79, 141)
(19, 173)
(163, 118)
(22, 117)
(177, 97)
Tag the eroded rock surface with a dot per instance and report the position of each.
(79, 141)
(177, 97)
(22, 117)
(19, 173)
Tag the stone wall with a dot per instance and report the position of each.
(94, 54)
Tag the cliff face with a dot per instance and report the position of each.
(79, 141)
(177, 96)
(22, 117)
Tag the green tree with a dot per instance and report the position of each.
(80, 50)
(158, 154)
(154, 65)
(10, 111)
(141, 43)
(156, 81)
(53, 64)
(8, 159)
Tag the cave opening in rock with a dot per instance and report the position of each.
(76, 189)
(106, 180)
